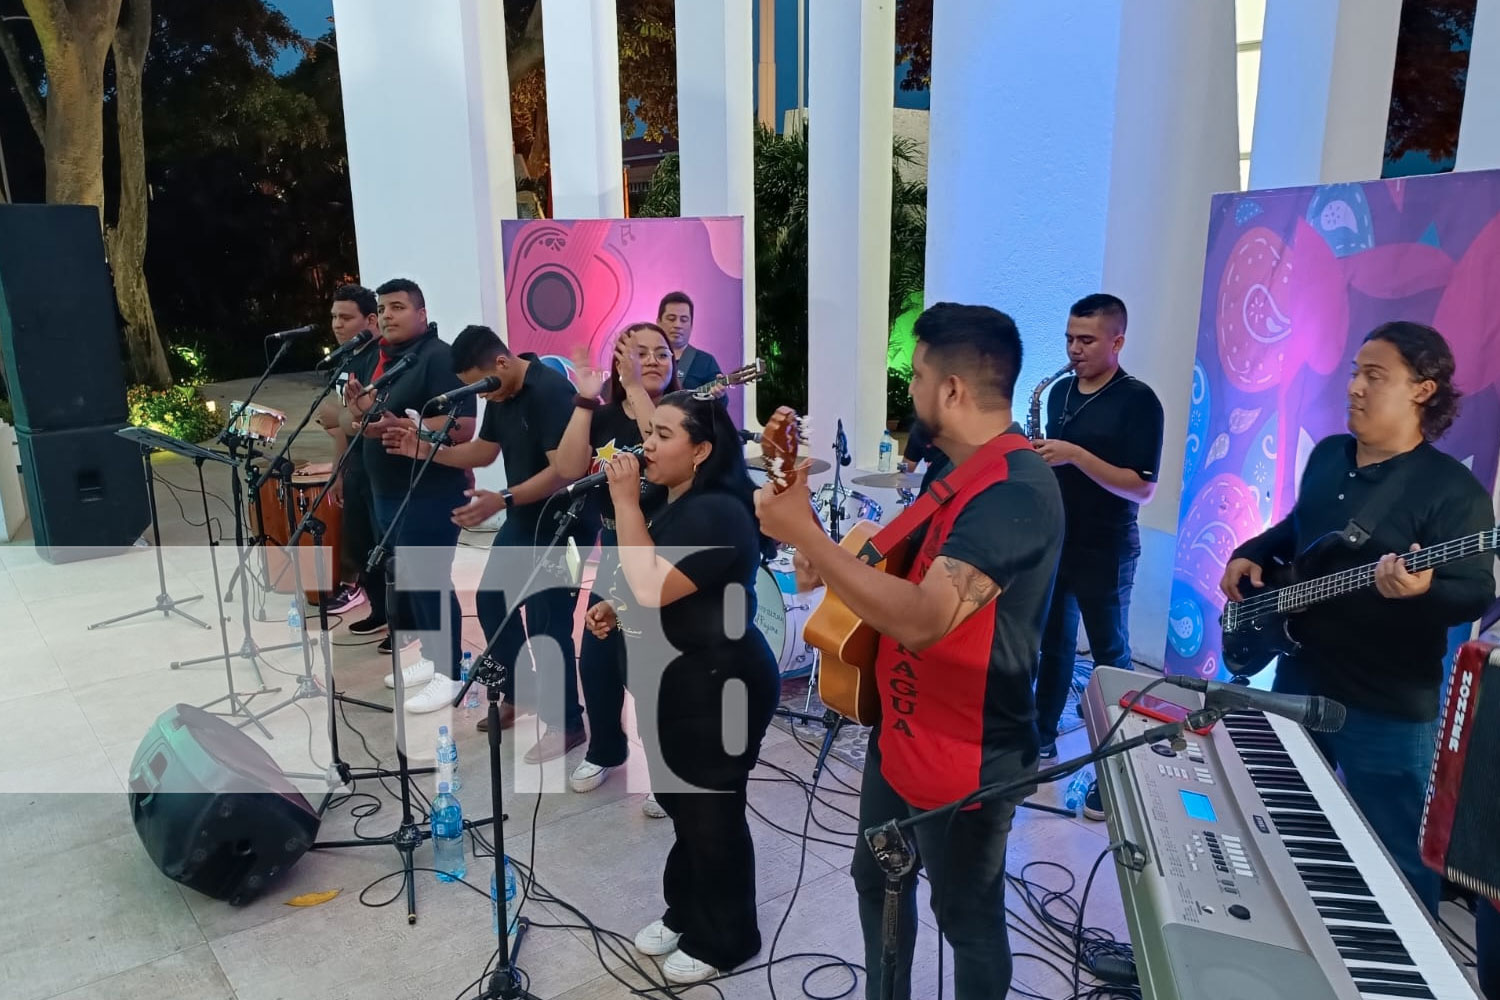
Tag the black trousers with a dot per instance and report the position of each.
(601, 665)
(709, 882)
(966, 868)
(359, 535)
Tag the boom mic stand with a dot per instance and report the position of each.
(504, 982)
(408, 836)
(897, 857)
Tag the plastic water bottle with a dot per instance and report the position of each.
(447, 761)
(1078, 788)
(887, 452)
(471, 700)
(294, 617)
(448, 836)
(512, 902)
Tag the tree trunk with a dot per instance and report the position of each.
(127, 238)
(75, 36)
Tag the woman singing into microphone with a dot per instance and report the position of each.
(642, 370)
(693, 571)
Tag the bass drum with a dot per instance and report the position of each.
(781, 613)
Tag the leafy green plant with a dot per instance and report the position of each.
(898, 407)
(6, 413)
(188, 363)
(179, 411)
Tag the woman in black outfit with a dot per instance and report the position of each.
(641, 372)
(691, 576)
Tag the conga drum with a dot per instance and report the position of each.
(307, 482)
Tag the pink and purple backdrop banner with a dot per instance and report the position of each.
(1295, 278)
(572, 283)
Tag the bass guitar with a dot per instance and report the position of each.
(1261, 627)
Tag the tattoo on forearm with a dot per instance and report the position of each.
(973, 586)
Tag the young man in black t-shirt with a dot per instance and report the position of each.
(523, 423)
(425, 529)
(1104, 431)
(1380, 652)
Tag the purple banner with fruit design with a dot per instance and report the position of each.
(1294, 279)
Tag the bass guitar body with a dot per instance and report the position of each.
(1251, 642)
(846, 671)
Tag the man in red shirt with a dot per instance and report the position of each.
(959, 639)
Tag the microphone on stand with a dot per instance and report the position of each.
(487, 384)
(300, 331)
(595, 479)
(396, 369)
(355, 345)
(841, 445)
(1321, 715)
(748, 437)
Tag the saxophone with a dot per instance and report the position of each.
(1034, 418)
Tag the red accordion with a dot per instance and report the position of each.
(1462, 815)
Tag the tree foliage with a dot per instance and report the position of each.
(914, 43)
(1427, 92)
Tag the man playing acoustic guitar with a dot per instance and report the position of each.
(1381, 652)
(959, 635)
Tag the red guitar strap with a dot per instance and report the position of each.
(939, 493)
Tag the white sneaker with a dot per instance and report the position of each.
(413, 675)
(654, 939)
(438, 694)
(653, 808)
(588, 776)
(682, 968)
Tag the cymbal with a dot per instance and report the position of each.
(814, 466)
(891, 480)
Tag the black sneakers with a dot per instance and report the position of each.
(368, 626)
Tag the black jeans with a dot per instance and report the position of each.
(428, 532)
(601, 663)
(966, 867)
(359, 535)
(1487, 943)
(548, 612)
(709, 882)
(1092, 585)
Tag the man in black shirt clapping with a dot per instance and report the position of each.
(1381, 651)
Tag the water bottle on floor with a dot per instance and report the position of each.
(471, 700)
(512, 902)
(447, 761)
(294, 617)
(1077, 789)
(448, 836)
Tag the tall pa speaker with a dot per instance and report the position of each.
(212, 808)
(59, 330)
(86, 491)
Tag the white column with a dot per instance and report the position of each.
(850, 97)
(427, 206)
(1325, 91)
(580, 42)
(1479, 135)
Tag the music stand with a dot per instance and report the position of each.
(165, 602)
(146, 438)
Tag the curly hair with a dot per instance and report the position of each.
(1430, 359)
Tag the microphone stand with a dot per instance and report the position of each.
(408, 836)
(897, 857)
(505, 983)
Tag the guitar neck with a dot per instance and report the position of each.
(1324, 588)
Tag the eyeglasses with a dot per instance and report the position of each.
(662, 355)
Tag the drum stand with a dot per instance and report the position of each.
(165, 603)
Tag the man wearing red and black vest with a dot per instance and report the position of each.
(959, 637)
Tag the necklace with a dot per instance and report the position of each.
(1068, 415)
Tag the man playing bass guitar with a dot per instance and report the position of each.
(959, 634)
(1380, 652)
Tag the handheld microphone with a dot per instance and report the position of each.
(347, 351)
(300, 331)
(395, 370)
(748, 437)
(1321, 715)
(487, 384)
(590, 481)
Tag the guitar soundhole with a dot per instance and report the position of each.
(551, 301)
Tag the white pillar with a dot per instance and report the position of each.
(428, 203)
(1479, 135)
(715, 122)
(580, 42)
(1324, 97)
(850, 96)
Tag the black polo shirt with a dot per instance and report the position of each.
(431, 375)
(1121, 423)
(527, 426)
(1368, 651)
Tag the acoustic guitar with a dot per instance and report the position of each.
(846, 671)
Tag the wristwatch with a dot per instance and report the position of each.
(509, 498)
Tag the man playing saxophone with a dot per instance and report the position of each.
(1103, 440)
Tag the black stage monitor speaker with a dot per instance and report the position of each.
(59, 330)
(212, 808)
(85, 490)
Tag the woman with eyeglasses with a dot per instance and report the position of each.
(690, 577)
(642, 370)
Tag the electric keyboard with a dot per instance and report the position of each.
(1247, 872)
